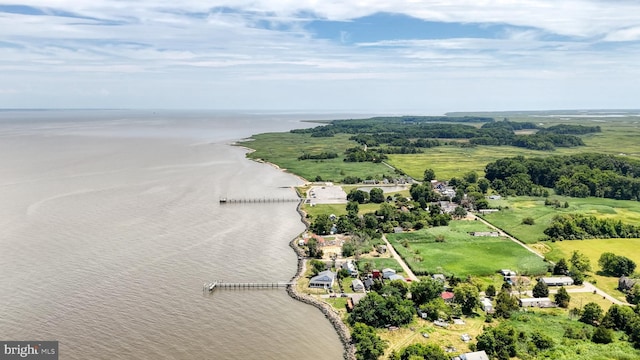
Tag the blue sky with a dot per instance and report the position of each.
(401, 56)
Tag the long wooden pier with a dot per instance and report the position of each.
(212, 286)
(257, 200)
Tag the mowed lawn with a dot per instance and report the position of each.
(514, 209)
(462, 254)
(593, 249)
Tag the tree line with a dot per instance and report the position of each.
(580, 175)
(420, 132)
(579, 227)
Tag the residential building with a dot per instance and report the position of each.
(537, 302)
(324, 279)
(557, 280)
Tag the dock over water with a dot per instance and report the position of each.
(212, 286)
(257, 200)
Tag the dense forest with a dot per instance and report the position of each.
(580, 175)
(408, 135)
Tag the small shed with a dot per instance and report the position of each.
(487, 305)
(507, 272)
(625, 283)
(447, 296)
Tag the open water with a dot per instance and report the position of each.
(110, 223)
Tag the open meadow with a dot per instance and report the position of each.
(452, 250)
(593, 249)
(514, 209)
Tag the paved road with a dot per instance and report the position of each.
(403, 264)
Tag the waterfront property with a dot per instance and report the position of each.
(323, 280)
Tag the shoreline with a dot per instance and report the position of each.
(349, 351)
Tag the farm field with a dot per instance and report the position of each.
(593, 249)
(462, 254)
(517, 208)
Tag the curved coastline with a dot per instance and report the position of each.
(349, 351)
(328, 311)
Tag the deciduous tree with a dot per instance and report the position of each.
(467, 296)
(368, 344)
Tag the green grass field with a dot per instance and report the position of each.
(380, 263)
(617, 136)
(593, 249)
(283, 149)
(517, 208)
(462, 254)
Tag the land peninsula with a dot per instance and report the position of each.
(470, 236)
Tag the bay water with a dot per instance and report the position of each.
(110, 223)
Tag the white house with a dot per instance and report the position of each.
(537, 302)
(557, 281)
(351, 267)
(386, 273)
(324, 280)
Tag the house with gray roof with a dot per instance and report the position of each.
(323, 280)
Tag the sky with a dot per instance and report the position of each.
(387, 56)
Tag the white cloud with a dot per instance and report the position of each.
(137, 48)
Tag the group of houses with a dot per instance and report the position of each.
(514, 279)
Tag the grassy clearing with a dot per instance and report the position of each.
(514, 209)
(283, 149)
(449, 337)
(454, 161)
(462, 254)
(579, 300)
(593, 249)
